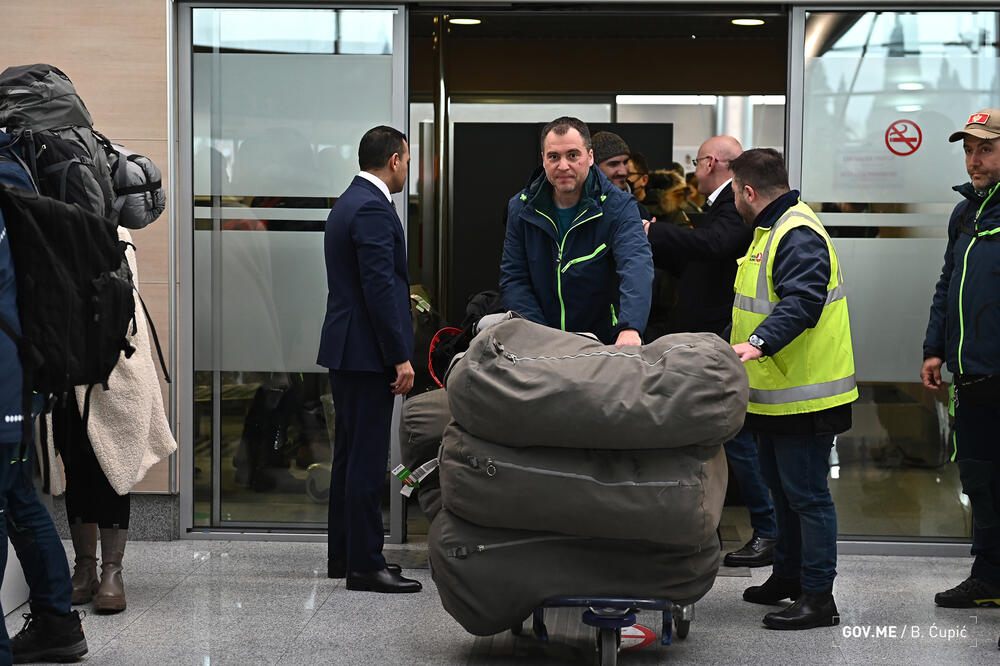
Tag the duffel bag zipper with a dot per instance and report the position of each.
(492, 464)
(515, 359)
(462, 552)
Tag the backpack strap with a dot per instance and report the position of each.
(156, 338)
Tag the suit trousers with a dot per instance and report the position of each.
(363, 404)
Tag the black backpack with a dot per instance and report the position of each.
(40, 106)
(74, 295)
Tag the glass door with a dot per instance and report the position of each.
(279, 99)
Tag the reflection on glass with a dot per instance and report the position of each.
(280, 99)
(891, 476)
(883, 90)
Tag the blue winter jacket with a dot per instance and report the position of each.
(964, 327)
(598, 278)
(13, 174)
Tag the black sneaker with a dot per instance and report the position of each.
(970, 593)
(49, 637)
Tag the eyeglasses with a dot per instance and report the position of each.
(698, 159)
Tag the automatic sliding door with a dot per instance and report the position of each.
(279, 101)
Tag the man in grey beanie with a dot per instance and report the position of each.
(611, 154)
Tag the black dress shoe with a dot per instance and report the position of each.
(382, 580)
(338, 569)
(809, 611)
(758, 552)
(773, 591)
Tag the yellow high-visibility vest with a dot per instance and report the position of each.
(815, 370)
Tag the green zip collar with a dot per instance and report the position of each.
(965, 265)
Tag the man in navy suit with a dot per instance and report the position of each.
(367, 343)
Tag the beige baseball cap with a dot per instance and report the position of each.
(983, 124)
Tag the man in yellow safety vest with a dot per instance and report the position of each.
(791, 330)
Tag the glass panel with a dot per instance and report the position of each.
(274, 141)
(755, 120)
(883, 90)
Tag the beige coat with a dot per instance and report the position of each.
(127, 425)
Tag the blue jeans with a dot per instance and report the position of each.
(33, 535)
(741, 452)
(795, 468)
(979, 470)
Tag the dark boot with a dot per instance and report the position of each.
(774, 590)
(809, 611)
(970, 593)
(85, 579)
(110, 597)
(49, 637)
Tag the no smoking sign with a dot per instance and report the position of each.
(903, 137)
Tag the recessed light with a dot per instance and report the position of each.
(909, 108)
(747, 21)
(465, 21)
(911, 85)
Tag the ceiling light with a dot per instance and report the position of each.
(465, 21)
(909, 108)
(912, 85)
(747, 21)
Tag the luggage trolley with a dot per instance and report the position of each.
(609, 615)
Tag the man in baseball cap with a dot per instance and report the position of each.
(964, 332)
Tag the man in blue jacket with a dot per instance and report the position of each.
(367, 343)
(52, 631)
(964, 330)
(575, 256)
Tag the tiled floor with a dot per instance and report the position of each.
(236, 602)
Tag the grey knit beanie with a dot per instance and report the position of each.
(608, 145)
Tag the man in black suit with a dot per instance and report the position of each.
(367, 342)
(704, 259)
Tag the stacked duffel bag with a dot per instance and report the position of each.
(573, 468)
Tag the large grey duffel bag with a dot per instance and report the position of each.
(524, 384)
(671, 496)
(421, 425)
(490, 579)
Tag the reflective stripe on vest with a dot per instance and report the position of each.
(815, 370)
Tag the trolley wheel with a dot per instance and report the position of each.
(314, 492)
(608, 641)
(683, 627)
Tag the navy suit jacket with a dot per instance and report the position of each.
(367, 325)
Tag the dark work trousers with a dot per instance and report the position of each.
(795, 468)
(89, 496)
(363, 404)
(741, 452)
(979, 468)
(34, 537)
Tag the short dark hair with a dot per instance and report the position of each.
(639, 164)
(378, 145)
(562, 125)
(763, 169)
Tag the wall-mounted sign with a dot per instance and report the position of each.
(903, 137)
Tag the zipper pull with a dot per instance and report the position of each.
(460, 552)
(491, 469)
(473, 462)
(481, 548)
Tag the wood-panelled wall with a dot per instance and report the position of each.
(115, 52)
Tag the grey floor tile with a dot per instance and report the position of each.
(126, 652)
(267, 558)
